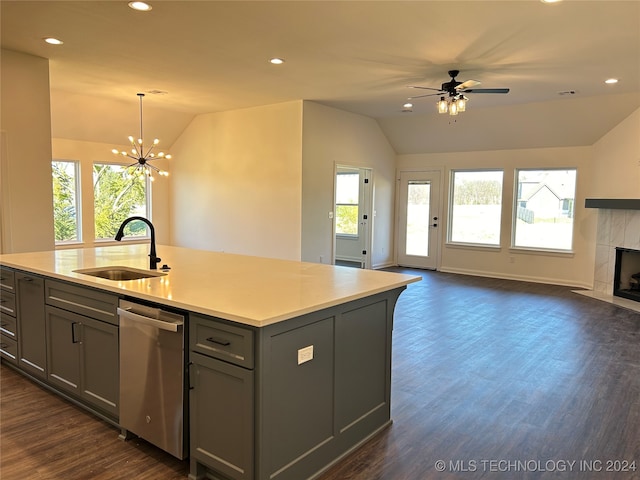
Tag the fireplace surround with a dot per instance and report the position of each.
(618, 223)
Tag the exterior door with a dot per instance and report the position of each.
(353, 205)
(419, 219)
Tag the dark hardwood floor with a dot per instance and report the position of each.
(495, 378)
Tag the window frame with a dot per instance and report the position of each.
(77, 200)
(353, 236)
(515, 205)
(450, 212)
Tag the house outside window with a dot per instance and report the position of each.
(544, 209)
(475, 207)
(118, 196)
(66, 201)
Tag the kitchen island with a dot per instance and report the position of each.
(289, 362)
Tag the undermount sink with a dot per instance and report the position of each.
(117, 273)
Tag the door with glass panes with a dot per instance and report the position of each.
(419, 219)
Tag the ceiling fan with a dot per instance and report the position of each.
(452, 99)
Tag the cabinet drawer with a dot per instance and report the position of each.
(8, 326)
(82, 300)
(219, 340)
(7, 303)
(8, 349)
(7, 279)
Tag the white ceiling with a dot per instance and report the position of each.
(358, 56)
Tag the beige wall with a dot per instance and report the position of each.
(574, 269)
(236, 182)
(25, 154)
(331, 136)
(616, 166)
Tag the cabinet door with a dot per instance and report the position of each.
(221, 401)
(32, 344)
(63, 349)
(99, 364)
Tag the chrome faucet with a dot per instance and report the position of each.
(153, 259)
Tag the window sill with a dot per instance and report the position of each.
(474, 246)
(542, 251)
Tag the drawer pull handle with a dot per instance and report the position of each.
(219, 341)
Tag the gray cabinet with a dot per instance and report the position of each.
(221, 399)
(8, 321)
(82, 352)
(32, 345)
(82, 358)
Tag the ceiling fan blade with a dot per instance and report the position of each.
(486, 90)
(428, 95)
(467, 84)
(424, 88)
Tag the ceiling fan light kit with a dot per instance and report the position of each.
(452, 98)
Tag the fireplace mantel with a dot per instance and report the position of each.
(613, 203)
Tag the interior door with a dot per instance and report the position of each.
(419, 220)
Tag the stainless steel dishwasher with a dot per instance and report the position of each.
(152, 386)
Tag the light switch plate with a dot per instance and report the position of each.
(305, 354)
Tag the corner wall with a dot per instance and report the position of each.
(331, 136)
(236, 182)
(26, 211)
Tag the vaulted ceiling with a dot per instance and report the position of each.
(358, 56)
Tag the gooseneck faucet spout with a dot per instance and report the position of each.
(153, 259)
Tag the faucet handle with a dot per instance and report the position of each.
(154, 261)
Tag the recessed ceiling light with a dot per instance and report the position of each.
(550, 1)
(408, 105)
(277, 61)
(53, 41)
(611, 81)
(140, 6)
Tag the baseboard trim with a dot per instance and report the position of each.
(521, 278)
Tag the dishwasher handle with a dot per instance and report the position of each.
(161, 324)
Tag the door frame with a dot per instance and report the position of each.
(365, 207)
(440, 171)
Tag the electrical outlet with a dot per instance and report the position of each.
(321, 258)
(305, 354)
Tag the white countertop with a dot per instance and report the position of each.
(250, 290)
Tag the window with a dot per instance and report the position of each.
(418, 208)
(66, 189)
(476, 204)
(118, 196)
(544, 201)
(347, 196)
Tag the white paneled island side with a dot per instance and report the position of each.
(288, 364)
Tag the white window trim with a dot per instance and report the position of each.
(483, 246)
(514, 216)
(78, 206)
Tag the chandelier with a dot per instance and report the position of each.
(142, 155)
(453, 104)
